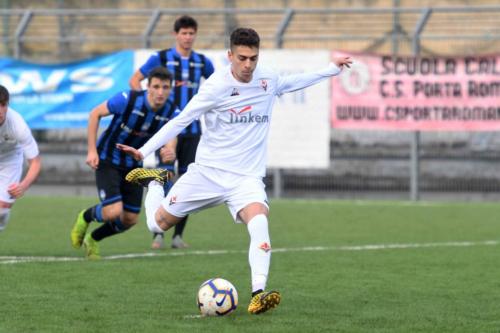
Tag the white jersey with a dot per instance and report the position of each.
(237, 118)
(15, 140)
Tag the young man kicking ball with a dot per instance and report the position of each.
(237, 103)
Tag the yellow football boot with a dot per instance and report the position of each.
(143, 176)
(78, 231)
(264, 301)
(91, 248)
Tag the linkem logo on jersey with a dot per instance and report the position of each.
(245, 115)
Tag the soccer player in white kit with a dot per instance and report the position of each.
(16, 142)
(237, 102)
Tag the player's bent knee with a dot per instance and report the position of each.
(130, 219)
(165, 220)
(154, 227)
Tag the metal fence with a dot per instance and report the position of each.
(403, 165)
(65, 34)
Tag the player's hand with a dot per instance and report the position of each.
(136, 154)
(92, 159)
(342, 61)
(16, 190)
(167, 155)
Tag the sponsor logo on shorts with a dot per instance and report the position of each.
(173, 200)
(265, 247)
(102, 194)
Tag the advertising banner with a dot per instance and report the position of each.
(62, 95)
(418, 93)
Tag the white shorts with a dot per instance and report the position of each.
(9, 174)
(203, 187)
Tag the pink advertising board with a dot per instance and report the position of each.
(417, 93)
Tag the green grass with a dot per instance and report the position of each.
(422, 289)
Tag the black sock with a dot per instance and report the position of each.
(108, 229)
(256, 292)
(103, 231)
(90, 214)
(179, 227)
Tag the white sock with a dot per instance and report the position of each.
(259, 253)
(4, 217)
(152, 202)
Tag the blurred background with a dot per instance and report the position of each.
(406, 165)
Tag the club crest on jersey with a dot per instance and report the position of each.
(265, 247)
(102, 194)
(235, 92)
(263, 84)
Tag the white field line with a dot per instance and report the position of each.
(373, 247)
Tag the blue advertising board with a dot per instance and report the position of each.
(62, 95)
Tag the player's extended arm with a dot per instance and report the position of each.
(295, 82)
(199, 104)
(17, 190)
(95, 116)
(135, 80)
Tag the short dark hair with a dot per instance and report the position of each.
(4, 95)
(246, 37)
(185, 21)
(160, 73)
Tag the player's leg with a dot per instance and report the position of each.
(9, 174)
(118, 216)
(157, 218)
(249, 200)
(162, 212)
(259, 256)
(83, 219)
(108, 180)
(186, 153)
(158, 237)
(4, 214)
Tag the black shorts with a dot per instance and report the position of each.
(186, 153)
(112, 187)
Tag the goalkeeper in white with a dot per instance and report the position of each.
(237, 103)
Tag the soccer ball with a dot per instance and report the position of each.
(217, 297)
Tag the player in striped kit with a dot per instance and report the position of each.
(188, 68)
(137, 115)
(237, 103)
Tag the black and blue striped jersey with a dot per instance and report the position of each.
(133, 123)
(187, 73)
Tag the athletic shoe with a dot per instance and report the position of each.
(91, 248)
(79, 230)
(158, 242)
(142, 176)
(264, 301)
(178, 243)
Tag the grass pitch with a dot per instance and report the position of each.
(341, 266)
